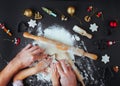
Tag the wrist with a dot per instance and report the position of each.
(16, 65)
(18, 61)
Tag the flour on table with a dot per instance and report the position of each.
(60, 34)
(39, 29)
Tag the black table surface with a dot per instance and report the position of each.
(11, 14)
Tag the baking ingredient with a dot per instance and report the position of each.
(88, 71)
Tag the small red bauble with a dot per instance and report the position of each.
(113, 24)
(109, 43)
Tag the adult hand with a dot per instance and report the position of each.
(28, 55)
(54, 75)
(67, 76)
(23, 59)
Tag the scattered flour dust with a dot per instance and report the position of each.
(59, 33)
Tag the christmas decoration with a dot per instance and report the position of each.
(87, 18)
(38, 15)
(2, 26)
(109, 43)
(63, 18)
(32, 23)
(99, 14)
(116, 69)
(113, 24)
(90, 8)
(49, 12)
(105, 58)
(16, 41)
(22, 27)
(71, 10)
(103, 44)
(93, 27)
(28, 12)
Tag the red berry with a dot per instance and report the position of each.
(113, 24)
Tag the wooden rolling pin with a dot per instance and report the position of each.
(61, 46)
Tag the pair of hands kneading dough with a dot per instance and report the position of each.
(41, 66)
